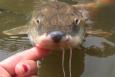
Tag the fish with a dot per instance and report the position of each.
(58, 24)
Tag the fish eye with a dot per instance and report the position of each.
(75, 26)
(38, 21)
(77, 21)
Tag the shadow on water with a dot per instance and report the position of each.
(97, 59)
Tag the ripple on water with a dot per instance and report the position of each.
(14, 44)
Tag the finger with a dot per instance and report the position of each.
(34, 53)
(4, 73)
(26, 68)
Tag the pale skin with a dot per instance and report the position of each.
(23, 64)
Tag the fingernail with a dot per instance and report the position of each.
(25, 67)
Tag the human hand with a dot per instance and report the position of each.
(22, 64)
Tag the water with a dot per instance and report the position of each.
(85, 63)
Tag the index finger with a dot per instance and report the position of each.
(34, 53)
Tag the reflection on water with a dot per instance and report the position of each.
(14, 43)
(85, 63)
(99, 67)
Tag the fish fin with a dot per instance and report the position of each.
(17, 31)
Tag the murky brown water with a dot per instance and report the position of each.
(88, 63)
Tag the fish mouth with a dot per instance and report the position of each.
(47, 42)
(52, 41)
